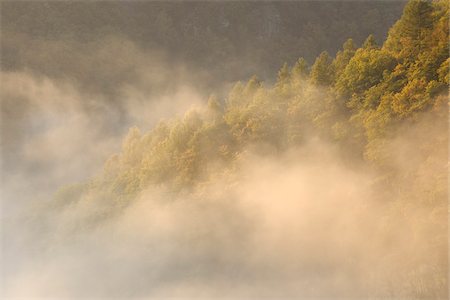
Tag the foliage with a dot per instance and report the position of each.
(358, 98)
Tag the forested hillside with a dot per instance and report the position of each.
(230, 39)
(381, 109)
(122, 63)
(359, 99)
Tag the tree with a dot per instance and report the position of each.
(365, 70)
(300, 69)
(322, 70)
(405, 39)
(417, 16)
(343, 57)
(283, 74)
(370, 42)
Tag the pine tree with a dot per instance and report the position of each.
(343, 57)
(300, 69)
(322, 70)
(370, 42)
(406, 37)
(417, 16)
(283, 75)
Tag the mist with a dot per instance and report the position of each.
(54, 134)
(300, 225)
(133, 165)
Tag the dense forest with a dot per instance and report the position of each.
(229, 39)
(359, 99)
(382, 109)
(101, 54)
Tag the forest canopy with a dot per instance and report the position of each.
(357, 99)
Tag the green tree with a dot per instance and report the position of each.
(365, 70)
(405, 39)
(300, 69)
(343, 57)
(322, 72)
(370, 42)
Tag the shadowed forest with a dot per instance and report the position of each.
(323, 177)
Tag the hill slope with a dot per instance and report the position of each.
(332, 182)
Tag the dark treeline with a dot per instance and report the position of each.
(232, 40)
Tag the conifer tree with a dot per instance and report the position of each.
(406, 37)
(322, 70)
(343, 57)
(370, 42)
(300, 69)
(283, 74)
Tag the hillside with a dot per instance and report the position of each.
(359, 99)
(330, 182)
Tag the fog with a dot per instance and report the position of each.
(301, 225)
(54, 133)
(305, 223)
